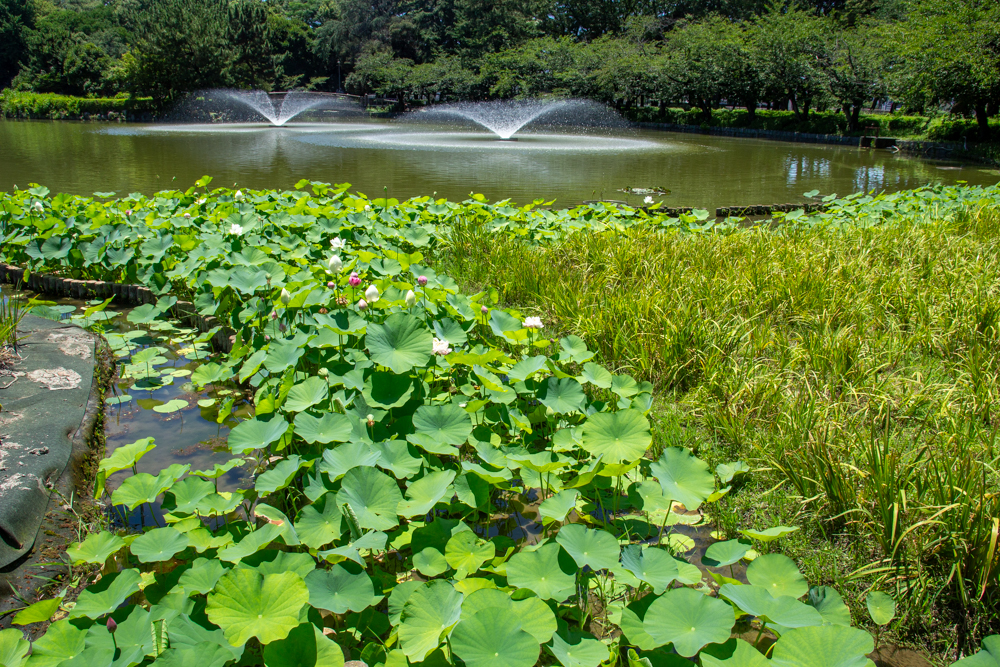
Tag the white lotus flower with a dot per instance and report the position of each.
(200, 201)
(648, 200)
(187, 216)
(371, 294)
(235, 229)
(441, 347)
(238, 196)
(38, 207)
(286, 296)
(367, 207)
(334, 264)
(337, 243)
(410, 298)
(533, 323)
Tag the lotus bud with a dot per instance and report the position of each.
(335, 264)
(533, 323)
(354, 280)
(330, 284)
(362, 304)
(484, 310)
(39, 208)
(323, 372)
(422, 281)
(371, 421)
(238, 196)
(282, 327)
(266, 337)
(112, 626)
(187, 216)
(371, 294)
(274, 314)
(286, 296)
(367, 207)
(410, 298)
(128, 212)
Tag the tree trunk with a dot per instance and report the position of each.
(751, 113)
(853, 113)
(983, 120)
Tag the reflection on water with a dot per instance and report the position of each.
(407, 160)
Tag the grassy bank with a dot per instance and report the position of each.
(939, 128)
(50, 106)
(856, 367)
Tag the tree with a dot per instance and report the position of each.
(853, 61)
(16, 16)
(788, 43)
(948, 52)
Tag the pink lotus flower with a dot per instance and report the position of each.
(422, 281)
(362, 304)
(354, 281)
(441, 347)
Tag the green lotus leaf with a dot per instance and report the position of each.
(96, 548)
(423, 494)
(13, 648)
(306, 394)
(770, 534)
(563, 396)
(451, 331)
(830, 605)
(548, 571)
(486, 598)
(305, 646)
(320, 523)
(171, 406)
(683, 477)
(597, 549)
(184, 496)
(881, 607)
(251, 543)
(280, 476)
(778, 574)
(449, 423)
(218, 470)
(536, 617)
(648, 496)
(158, 545)
(466, 553)
(989, 656)
(373, 541)
(246, 604)
(395, 456)
(617, 436)
(632, 625)
(276, 561)
(188, 637)
(732, 653)
(556, 507)
(398, 597)
(720, 554)
(145, 488)
(207, 374)
(339, 590)
(430, 562)
(218, 504)
(373, 496)
(493, 637)
(256, 434)
(61, 642)
(502, 322)
(429, 612)
(330, 427)
(654, 566)
(282, 355)
(400, 344)
(527, 367)
(575, 349)
(823, 646)
(784, 610)
(595, 375)
(579, 651)
(387, 390)
(278, 518)
(201, 577)
(689, 620)
(39, 612)
(107, 594)
(122, 458)
(727, 472)
(338, 460)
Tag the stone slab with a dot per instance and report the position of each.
(45, 398)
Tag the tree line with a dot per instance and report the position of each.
(924, 55)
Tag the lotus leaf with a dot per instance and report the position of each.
(595, 375)
(280, 476)
(548, 571)
(305, 646)
(493, 637)
(13, 648)
(784, 610)
(395, 456)
(185, 634)
(185, 495)
(562, 395)
(256, 434)
(830, 605)
(579, 651)
(171, 406)
(989, 656)
(159, 544)
(430, 611)
(246, 604)
(388, 390)
(881, 607)
(61, 642)
(589, 547)
(447, 424)
(770, 534)
(251, 543)
(373, 496)
(107, 594)
(306, 394)
(720, 554)
(617, 436)
(778, 574)
(37, 613)
(466, 553)
(145, 488)
(319, 523)
(330, 427)
(689, 620)
(96, 549)
(400, 344)
(339, 590)
(683, 477)
(823, 646)
(733, 653)
(202, 576)
(654, 566)
(423, 494)
(430, 562)
(121, 458)
(557, 506)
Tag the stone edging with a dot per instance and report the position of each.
(52, 285)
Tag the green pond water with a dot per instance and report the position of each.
(405, 160)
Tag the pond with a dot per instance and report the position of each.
(405, 160)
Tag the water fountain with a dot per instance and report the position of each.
(504, 118)
(291, 105)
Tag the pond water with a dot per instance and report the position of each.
(403, 160)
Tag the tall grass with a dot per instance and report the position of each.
(858, 368)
